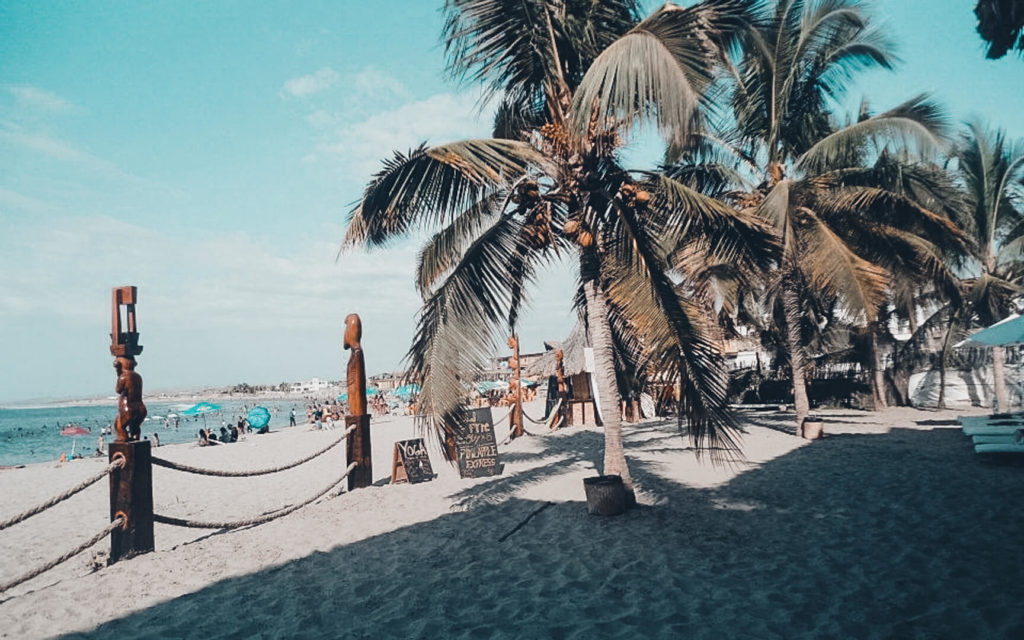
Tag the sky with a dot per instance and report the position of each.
(209, 154)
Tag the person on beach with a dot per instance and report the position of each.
(156, 439)
(101, 446)
(291, 418)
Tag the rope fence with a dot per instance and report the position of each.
(118, 522)
(117, 463)
(195, 524)
(527, 416)
(177, 466)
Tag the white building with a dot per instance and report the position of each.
(314, 385)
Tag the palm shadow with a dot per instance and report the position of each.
(876, 536)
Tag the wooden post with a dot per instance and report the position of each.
(131, 495)
(358, 450)
(515, 387)
(358, 447)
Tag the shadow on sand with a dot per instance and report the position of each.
(843, 538)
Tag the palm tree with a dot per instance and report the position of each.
(1001, 24)
(990, 170)
(572, 78)
(841, 233)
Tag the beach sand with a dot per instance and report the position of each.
(888, 527)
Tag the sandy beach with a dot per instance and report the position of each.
(890, 526)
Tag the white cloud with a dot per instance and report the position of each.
(359, 147)
(40, 99)
(308, 85)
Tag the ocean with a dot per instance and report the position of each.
(33, 435)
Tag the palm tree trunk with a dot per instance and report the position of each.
(1002, 400)
(943, 357)
(607, 389)
(791, 305)
(877, 371)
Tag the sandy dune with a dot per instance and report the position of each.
(888, 527)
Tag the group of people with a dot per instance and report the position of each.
(208, 436)
(228, 433)
(323, 416)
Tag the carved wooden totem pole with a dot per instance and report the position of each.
(563, 394)
(124, 346)
(131, 485)
(514, 386)
(358, 443)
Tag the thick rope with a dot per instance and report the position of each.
(117, 523)
(177, 466)
(525, 415)
(183, 522)
(81, 486)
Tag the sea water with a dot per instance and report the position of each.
(33, 435)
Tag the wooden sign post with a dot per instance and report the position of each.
(515, 387)
(410, 462)
(476, 447)
(131, 486)
(358, 447)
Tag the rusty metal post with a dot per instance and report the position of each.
(131, 496)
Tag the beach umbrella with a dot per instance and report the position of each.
(258, 417)
(1006, 332)
(370, 391)
(407, 390)
(490, 385)
(201, 408)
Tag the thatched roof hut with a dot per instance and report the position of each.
(574, 360)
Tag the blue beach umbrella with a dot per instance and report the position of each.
(370, 391)
(407, 390)
(1003, 333)
(258, 417)
(201, 408)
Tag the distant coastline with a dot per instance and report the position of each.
(183, 396)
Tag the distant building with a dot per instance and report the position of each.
(386, 381)
(314, 385)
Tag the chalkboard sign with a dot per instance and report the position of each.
(411, 462)
(476, 447)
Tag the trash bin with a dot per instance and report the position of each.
(606, 495)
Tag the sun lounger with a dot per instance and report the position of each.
(982, 425)
(1010, 447)
(994, 439)
(992, 430)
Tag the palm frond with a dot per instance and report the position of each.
(915, 122)
(446, 248)
(431, 185)
(658, 70)
(683, 214)
(459, 324)
(833, 268)
(678, 346)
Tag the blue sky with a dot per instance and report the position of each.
(208, 153)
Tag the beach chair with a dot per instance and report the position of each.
(983, 425)
(1009, 447)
